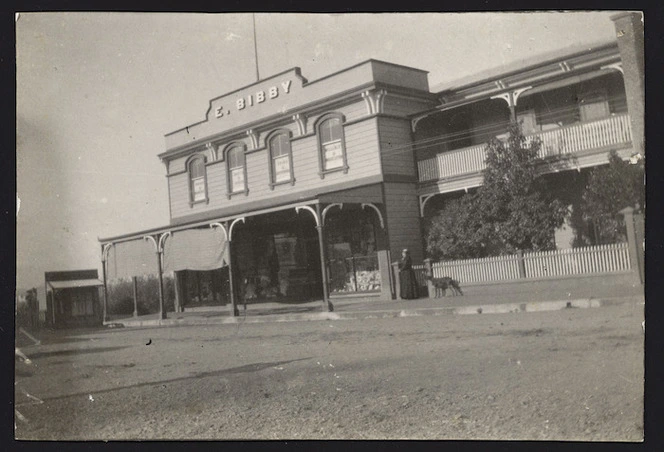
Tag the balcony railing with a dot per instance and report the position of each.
(586, 136)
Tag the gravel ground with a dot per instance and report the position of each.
(574, 374)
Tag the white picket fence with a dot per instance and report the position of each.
(577, 261)
(539, 264)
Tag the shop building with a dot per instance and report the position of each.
(308, 190)
(72, 299)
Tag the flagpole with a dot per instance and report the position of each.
(253, 17)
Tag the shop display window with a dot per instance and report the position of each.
(352, 256)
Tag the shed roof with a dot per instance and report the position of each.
(74, 283)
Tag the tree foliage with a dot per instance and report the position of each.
(610, 189)
(511, 211)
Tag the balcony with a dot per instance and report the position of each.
(601, 135)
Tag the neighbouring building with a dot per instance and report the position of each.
(310, 189)
(72, 299)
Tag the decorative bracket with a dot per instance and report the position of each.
(301, 122)
(615, 66)
(380, 215)
(423, 201)
(230, 228)
(374, 101)
(251, 133)
(104, 251)
(212, 151)
(162, 239)
(149, 237)
(511, 97)
(313, 212)
(414, 121)
(336, 204)
(222, 227)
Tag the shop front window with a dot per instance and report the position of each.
(353, 261)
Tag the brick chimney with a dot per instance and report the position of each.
(630, 36)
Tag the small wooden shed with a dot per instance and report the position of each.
(72, 299)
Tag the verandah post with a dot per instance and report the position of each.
(162, 310)
(397, 282)
(234, 310)
(104, 259)
(158, 245)
(323, 266)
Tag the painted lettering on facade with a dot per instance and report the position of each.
(259, 97)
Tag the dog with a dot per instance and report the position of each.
(444, 283)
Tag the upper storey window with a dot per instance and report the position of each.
(236, 169)
(197, 179)
(281, 159)
(331, 144)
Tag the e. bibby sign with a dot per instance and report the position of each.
(255, 98)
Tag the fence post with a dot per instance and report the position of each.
(429, 272)
(634, 240)
(522, 264)
(397, 282)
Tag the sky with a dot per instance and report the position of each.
(97, 92)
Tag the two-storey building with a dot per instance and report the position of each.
(295, 189)
(291, 188)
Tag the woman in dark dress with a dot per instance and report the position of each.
(407, 280)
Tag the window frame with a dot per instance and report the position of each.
(190, 181)
(229, 185)
(322, 170)
(270, 157)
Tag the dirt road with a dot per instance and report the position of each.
(575, 374)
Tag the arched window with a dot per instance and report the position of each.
(236, 169)
(197, 179)
(331, 146)
(281, 159)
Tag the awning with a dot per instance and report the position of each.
(74, 283)
(196, 249)
(133, 258)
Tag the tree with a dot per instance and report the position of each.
(457, 232)
(513, 209)
(610, 189)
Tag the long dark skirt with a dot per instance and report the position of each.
(409, 285)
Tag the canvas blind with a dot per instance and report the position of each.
(195, 249)
(133, 258)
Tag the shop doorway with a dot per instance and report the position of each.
(276, 259)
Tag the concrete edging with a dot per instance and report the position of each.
(502, 308)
